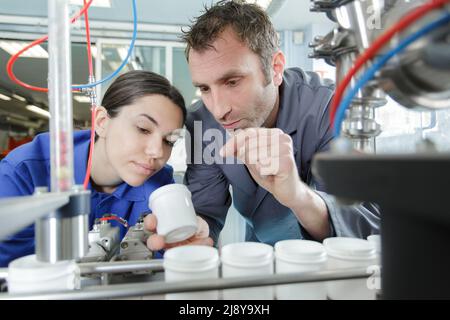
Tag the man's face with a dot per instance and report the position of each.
(232, 83)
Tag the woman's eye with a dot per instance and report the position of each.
(144, 131)
(169, 143)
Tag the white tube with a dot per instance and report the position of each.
(60, 96)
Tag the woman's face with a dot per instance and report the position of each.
(138, 142)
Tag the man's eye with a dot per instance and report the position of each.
(232, 83)
(204, 89)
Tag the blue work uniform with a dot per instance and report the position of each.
(28, 167)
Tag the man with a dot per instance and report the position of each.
(275, 121)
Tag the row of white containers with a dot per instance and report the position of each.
(290, 256)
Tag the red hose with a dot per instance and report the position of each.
(12, 60)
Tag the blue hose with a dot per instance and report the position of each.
(124, 62)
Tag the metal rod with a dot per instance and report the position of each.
(161, 287)
(120, 266)
(110, 267)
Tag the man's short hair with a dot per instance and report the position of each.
(250, 23)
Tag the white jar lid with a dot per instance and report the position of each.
(300, 251)
(29, 269)
(191, 258)
(375, 239)
(247, 254)
(174, 187)
(349, 248)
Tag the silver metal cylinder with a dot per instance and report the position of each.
(61, 239)
(63, 234)
(120, 266)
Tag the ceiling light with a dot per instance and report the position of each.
(3, 97)
(95, 3)
(12, 47)
(38, 110)
(82, 99)
(262, 3)
(16, 96)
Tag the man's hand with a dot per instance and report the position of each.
(269, 157)
(156, 242)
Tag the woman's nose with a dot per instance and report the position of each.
(154, 148)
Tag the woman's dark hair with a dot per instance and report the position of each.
(136, 84)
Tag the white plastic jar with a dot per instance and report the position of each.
(247, 259)
(375, 281)
(189, 263)
(172, 206)
(350, 253)
(293, 256)
(28, 275)
(375, 239)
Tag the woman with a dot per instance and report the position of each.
(134, 137)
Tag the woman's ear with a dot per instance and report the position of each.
(278, 63)
(101, 121)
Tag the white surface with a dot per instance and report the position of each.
(19, 212)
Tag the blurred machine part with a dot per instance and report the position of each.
(103, 242)
(418, 78)
(134, 245)
(410, 189)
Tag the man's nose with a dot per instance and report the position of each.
(219, 105)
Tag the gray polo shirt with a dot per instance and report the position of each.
(303, 114)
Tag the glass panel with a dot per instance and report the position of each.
(143, 58)
(403, 128)
(182, 78)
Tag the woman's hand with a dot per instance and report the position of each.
(157, 242)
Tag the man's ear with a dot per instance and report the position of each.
(278, 63)
(101, 121)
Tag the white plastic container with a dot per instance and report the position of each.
(189, 263)
(350, 253)
(173, 208)
(247, 259)
(28, 275)
(293, 256)
(375, 239)
(375, 281)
